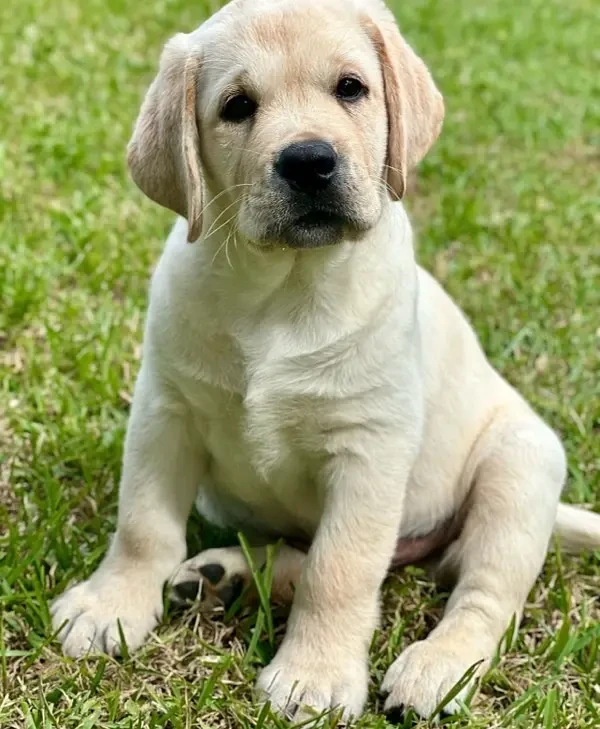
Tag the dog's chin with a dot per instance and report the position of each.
(314, 229)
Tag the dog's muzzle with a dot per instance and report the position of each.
(310, 177)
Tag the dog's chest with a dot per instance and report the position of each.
(258, 436)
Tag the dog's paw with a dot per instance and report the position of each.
(214, 577)
(301, 684)
(88, 615)
(424, 675)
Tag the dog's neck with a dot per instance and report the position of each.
(314, 297)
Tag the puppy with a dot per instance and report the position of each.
(304, 379)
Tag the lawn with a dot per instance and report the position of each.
(508, 213)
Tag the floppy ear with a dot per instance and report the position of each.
(415, 107)
(164, 152)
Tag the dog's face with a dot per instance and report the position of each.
(298, 120)
(293, 122)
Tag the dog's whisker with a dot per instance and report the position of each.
(220, 227)
(212, 230)
(393, 169)
(218, 251)
(217, 197)
(227, 249)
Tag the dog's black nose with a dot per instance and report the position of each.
(307, 166)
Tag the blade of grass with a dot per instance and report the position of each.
(263, 581)
(464, 681)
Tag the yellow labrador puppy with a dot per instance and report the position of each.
(303, 378)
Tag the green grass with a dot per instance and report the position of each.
(507, 209)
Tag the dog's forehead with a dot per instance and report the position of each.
(277, 39)
(241, 12)
(261, 6)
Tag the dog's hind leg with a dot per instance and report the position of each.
(518, 474)
(219, 576)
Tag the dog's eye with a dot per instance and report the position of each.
(239, 108)
(350, 89)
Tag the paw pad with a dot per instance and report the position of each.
(215, 585)
(214, 573)
(186, 591)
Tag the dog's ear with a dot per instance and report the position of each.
(415, 107)
(164, 152)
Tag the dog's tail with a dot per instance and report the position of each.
(577, 529)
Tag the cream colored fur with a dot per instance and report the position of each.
(335, 395)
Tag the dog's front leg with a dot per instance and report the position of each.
(161, 473)
(323, 661)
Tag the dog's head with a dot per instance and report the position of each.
(294, 120)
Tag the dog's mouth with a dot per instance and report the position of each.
(307, 221)
(317, 228)
(316, 218)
